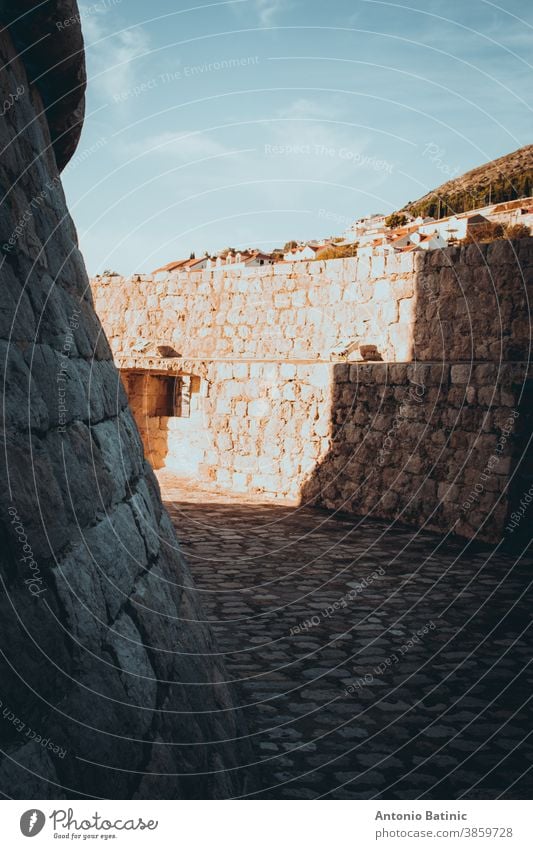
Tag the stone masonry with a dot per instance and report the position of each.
(111, 685)
(434, 434)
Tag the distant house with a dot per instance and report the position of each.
(302, 252)
(378, 247)
(244, 259)
(509, 212)
(307, 251)
(255, 258)
(429, 234)
(513, 212)
(455, 228)
(238, 259)
(366, 230)
(191, 264)
(423, 242)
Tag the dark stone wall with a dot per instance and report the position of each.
(48, 34)
(110, 685)
(473, 303)
(433, 445)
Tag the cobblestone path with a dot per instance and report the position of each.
(371, 661)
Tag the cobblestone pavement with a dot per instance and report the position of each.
(371, 661)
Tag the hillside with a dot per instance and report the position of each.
(507, 178)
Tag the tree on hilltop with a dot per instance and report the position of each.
(289, 246)
(397, 219)
(517, 231)
(338, 251)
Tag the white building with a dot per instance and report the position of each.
(244, 259)
(365, 230)
(307, 251)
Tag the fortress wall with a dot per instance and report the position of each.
(423, 444)
(459, 304)
(473, 303)
(278, 417)
(111, 684)
(431, 445)
(300, 310)
(268, 426)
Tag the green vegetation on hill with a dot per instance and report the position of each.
(508, 178)
(338, 251)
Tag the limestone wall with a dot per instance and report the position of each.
(111, 686)
(299, 310)
(459, 304)
(269, 426)
(429, 444)
(473, 303)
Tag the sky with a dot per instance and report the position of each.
(254, 122)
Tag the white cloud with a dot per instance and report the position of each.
(111, 52)
(182, 146)
(268, 10)
(305, 108)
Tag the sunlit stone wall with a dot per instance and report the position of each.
(284, 412)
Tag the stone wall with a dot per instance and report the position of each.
(110, 683)
(278, 418)
(251, 427)
(300, 310)
(268, 426)
(430, 444)
(455, 305)
(473, 303)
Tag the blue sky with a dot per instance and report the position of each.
(252, 122)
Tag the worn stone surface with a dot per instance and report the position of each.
(111, 685)
(371, 661)
(432, 445)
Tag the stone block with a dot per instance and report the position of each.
(240, 370)
(239, 482)
(389, 311)
(382, 291)
(267, 483)
(461, 373)
(401, 340)
(259, 408)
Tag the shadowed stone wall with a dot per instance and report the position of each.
(110, 683)
(406, 445)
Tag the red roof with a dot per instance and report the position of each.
(184, 264)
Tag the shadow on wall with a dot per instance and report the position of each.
(444, 441)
